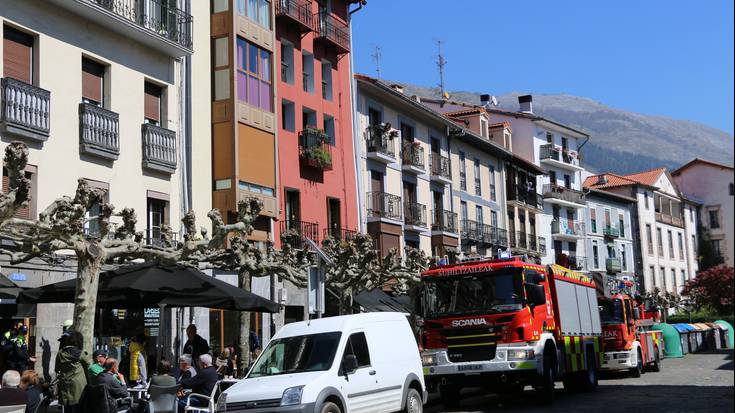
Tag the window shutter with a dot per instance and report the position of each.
(92, 77)
(23, 213)
(152, 104)
(18, 55)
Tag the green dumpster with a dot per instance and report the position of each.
(672, 340)
(729, 333)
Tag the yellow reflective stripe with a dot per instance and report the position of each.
(476, 335)
(470, 345)
(578, 344)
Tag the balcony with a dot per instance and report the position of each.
(470, 231)
(314, 149)
(573, 262)
(524, 196)
(412, 158)
(339, 233)
(532, 243)
(295, 232)
(566, 228)
(668, 219)
(440, 168)
(610, 232)
(155, 23)
(24, 110)
(444, 221)
(332, 32)
(560, 195)
(383, 205)
(99, 131)
(502, 237)
(297, 12)
(521, 240)
(159, 148)
(613, 265)
(380, 143)
(553, 155)
(156, 238)
(414, 216)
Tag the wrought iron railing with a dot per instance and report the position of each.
(379, 140)
(298, 10)
(25, 106)
(413, 154)
(445, 221)
(383, 205)
(526, 196)
(502, 237)
(610, 232)
(470, 231)
(295, 232)
(159, 148)
(613, 265)
(532, 244)
(440, 166)
(414, 214)
(550, 151)
(339, 233)
(563, 193)
(522, 240)
(157, 16)
(156, 238)
(99, 131)
(333, 30)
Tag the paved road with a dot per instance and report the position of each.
(697, 382)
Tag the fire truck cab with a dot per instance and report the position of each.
(504, 324)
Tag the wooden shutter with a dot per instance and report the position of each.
(17, 55)
(92, 80)
(24, 213)
(152, 104)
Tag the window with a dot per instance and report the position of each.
(329, 128)
(152, 103)
(731, 188)
(683, 277)
(660, 242)
(326, 80)
(552, 178)
(652, 274)
(287, 66)
(254, 188)
(649, 239)
(28, 211)
(716, 247)
(681, 246)
(491, 171)
(564, 143)
(595, 254)
(645, 199)
(623, 259)
(671, 244)
(17, 55)
(375, 116)
(567, 181)
(91, 224)
(478, 185)
(714, 218)
(462, 172)
(593, 220)
(254, 75)
(694, 244)
(258, 11)
(463, 210)
(673, 279)
(308, 118)
(93, 82)
(357, 346)
(478, 215)
(494, 219)
(288, 115)
(307, 66)
(621, 225)
(662, 271)
(549, 137)
(483, 127)
(157, 209)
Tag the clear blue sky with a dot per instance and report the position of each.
(663, 57)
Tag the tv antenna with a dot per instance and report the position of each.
(376, 56)
(441, 62)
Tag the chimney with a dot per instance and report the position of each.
(484, 99)
(526, 103)
(416, 98)
(601, 179)
(398, 88)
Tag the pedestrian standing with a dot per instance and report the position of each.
(195, 345)
(71, 371)
(18, 358)
(138, 373)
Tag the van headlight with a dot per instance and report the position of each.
(428, 359)
(520, 354)
(222, 403)
(292, 396)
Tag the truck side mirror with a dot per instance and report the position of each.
(535, 294)
(349, 364)
(535, 277)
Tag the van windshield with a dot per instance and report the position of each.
(313, 352)
(495, 291)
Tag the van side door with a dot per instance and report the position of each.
(361, 387)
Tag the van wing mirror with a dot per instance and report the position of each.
(535, 294)
(349, 364)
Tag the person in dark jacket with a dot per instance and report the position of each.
(71, 371)
(195, 345)
(163, 375)
(10, 394)
(113, 380)
(203, 383)
(18, 358)
(30, 383)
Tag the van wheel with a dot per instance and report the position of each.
(657, 361)
(638, 369)
(414, 402)
(449, 395)
(330, 407)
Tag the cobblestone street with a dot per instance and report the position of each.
(697, 382)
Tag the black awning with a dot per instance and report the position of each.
(377, 301)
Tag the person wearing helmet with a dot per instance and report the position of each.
(18, 357)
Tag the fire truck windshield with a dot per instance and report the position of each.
(611, 311)
(489, 292)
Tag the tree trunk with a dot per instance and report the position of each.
(85, 300)
(243, 279)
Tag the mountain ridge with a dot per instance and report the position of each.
(621, 141)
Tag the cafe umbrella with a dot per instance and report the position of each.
(153, 284)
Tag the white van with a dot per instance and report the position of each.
(355, 363)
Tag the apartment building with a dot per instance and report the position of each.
(711, 185)
(667, 225)
(427, 180)
(610, 235)
(316, 164)
(103, 92)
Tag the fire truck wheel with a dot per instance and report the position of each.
(638, 369)
(588, 378)
(449, 395)
(545, 388)
(657, 362)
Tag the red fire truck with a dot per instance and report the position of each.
(504, 324)
(630, 343)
